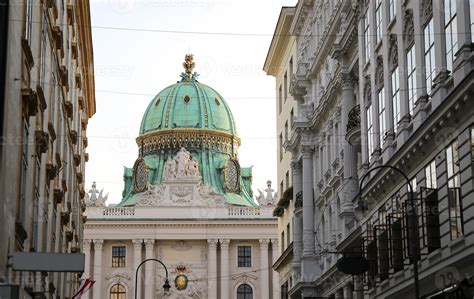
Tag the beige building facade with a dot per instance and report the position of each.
(47, 97)
(280, 63)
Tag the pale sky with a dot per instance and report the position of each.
(131, 66)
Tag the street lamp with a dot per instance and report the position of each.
(166, 286)
(414, 221)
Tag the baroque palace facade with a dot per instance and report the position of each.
(186, 202)
(381, 83)
(46, 99)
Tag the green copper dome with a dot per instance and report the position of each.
(191, 120)
(188, 104)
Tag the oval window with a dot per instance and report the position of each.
(186, 99)
(157, 101)
(217, 101)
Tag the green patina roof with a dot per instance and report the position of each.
(189, 104)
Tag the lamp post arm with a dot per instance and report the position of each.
(385, 166)
(138, 268)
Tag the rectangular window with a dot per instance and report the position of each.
(370, 130)
(44, 33)
(29, 19)
(292, 116)
(283, 241)
(391, 9)
(291, 66)
(454, 190)
(288, 235)
(411, 66)
(378, 21)
(285, 86)
(450, 30)
(244, 256)
(381, 99)
(281, 146)
(395, 99)
(21, 209)
(280, 99)
(286, 130)
(431, 233)
(287, 180)
(118, 256)
(471, 14)
(430, 175)
(367, 41)
(430, 65)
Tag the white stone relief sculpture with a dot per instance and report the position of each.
(269, 198)
(182, 167)
(96, 198)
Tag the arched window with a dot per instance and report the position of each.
(117, 292)
(244, 291)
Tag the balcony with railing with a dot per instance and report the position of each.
(353, 135)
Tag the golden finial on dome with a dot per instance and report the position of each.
(189, 64)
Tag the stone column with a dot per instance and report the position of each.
(264, 277)
(137, 259)
(225, 291)
(297, 221)
(97, 288)
(211, 268)
(308, 257)
(149, 270)
(276, 278)
(350, 155)
(347, 292)
(358, 292)
(86, 249)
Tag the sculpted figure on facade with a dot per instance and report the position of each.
(182, 166)
(96, 197)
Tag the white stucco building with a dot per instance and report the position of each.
(188, 203)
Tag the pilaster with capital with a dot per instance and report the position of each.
(276, 280)
(149, 269)
(265, 288)
(224, 245)
(350, 154)
(137, 259)
(309, 267)
(86, 249)
(212, 268)
(98, 247)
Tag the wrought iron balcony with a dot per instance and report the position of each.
(353, 126)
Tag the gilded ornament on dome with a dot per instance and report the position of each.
(231, 176)
(140, 173)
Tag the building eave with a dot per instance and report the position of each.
(280, 40)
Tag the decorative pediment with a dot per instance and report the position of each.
(244, 278)
(118, 277)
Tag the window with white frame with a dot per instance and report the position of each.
(411, 67)
(395, 98)
(382, 127)
(430, 65)
(370, 130)
(450, 30)
(367, 41)
(430, 175)
(391, 9)
(378, 21)
(454, 190)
